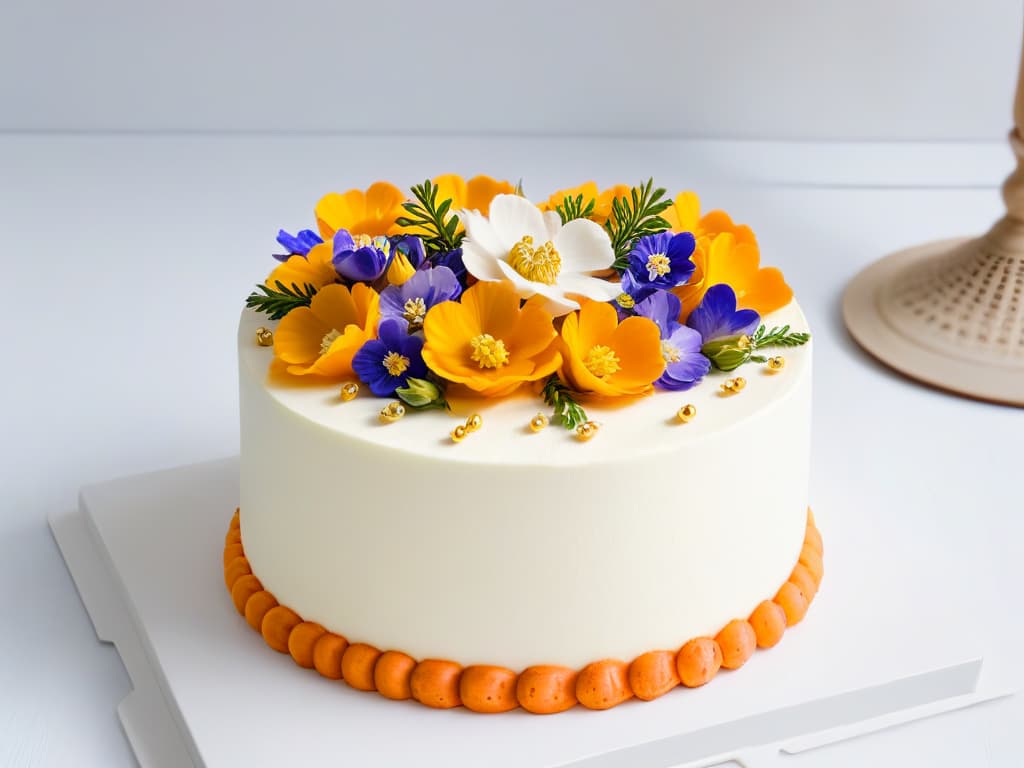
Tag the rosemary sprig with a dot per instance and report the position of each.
(278, 303)
(573, 208)
(565, 409)
(635, 217)
(778, 337)
(437, 220)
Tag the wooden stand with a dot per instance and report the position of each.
(951, 314)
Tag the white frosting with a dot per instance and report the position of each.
(515, 548)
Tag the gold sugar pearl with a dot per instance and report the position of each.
(686, 413)
(729, 387)
(538, 422)
(776, 363)
(459, 433)
(739, 382)
(349, 391)
(264, 337)
(392, 412)
(586, 430)
(474, 422)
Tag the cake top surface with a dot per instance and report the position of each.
(460, 303)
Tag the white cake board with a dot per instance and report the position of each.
(145, 553)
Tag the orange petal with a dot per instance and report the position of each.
(334, 307)
(339, 211)
(768, 292)
(382, 198)
(480, 190)
(452, 187)
(637, 342)
(684, 213)
(298, 337)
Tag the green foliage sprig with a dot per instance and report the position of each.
(778, 337)
(438, 221)
(573, 208)
(635, 217)
(278, 303)
(563, 404)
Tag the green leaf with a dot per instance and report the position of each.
(635, 217)
(565, 409)
(278, 303)
(438, 222)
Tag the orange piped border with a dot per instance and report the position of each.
(541, 689)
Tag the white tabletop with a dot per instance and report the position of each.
(127, 259)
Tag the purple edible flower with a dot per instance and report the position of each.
(384, 364)
(410, 246)
(362, 258)
(658, 261)
(296, 245)
(411, 300)
(453, 261)
(718, 318)
(685, 366)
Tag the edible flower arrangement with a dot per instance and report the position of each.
(469, 286)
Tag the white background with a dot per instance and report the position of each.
(126, 257)
(789, 69)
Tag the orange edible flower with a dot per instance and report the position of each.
(372, 212)
(316, 269)
(726, 253)
(322, 338)
(609, 358)
(603, 200)
(489, 344)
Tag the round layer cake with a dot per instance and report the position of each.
(517, 548)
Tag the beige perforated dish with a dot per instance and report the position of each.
(949, 314)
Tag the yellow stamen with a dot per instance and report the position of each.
(601, 361)
(488, 351)
(361, 241)
(670, 352)
(658, 265)
(541, 265)
(625, 301)
(414, 310)
(327, 340)
(395, 364)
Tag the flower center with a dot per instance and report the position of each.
(670, 353)
(601, 361)
(395, 364)
(541, 265)
(414, 310)
(327, 340)
(488, 351)
(625, 301)
(658, 265)
(361, 241)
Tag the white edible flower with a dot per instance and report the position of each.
(538, 254)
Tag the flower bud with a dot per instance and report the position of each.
(420, 393)
(728, 353)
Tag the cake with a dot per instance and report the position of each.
(501, 454)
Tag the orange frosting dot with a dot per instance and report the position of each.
(277, 625)
(737, 641)
(653, 674)
(256, 608)
(546, 689)
(392, 673)
(327, 655)
(698, 661)
(231, 551)
(244, 588)
(357, 665)
(234, 570)
(804, 579)
(436, 683)
(485, 688)
(302, 640)
(812, 561)
(769, 623)
(812, 540)
(603, 684)
(793, 602)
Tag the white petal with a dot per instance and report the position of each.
(591, 287)
(553, 222)
(584, 246)
(555, 301)
(513, 216)
(481, 232)
(479, 263)
(525, 288)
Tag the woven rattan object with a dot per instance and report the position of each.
(951, 314)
